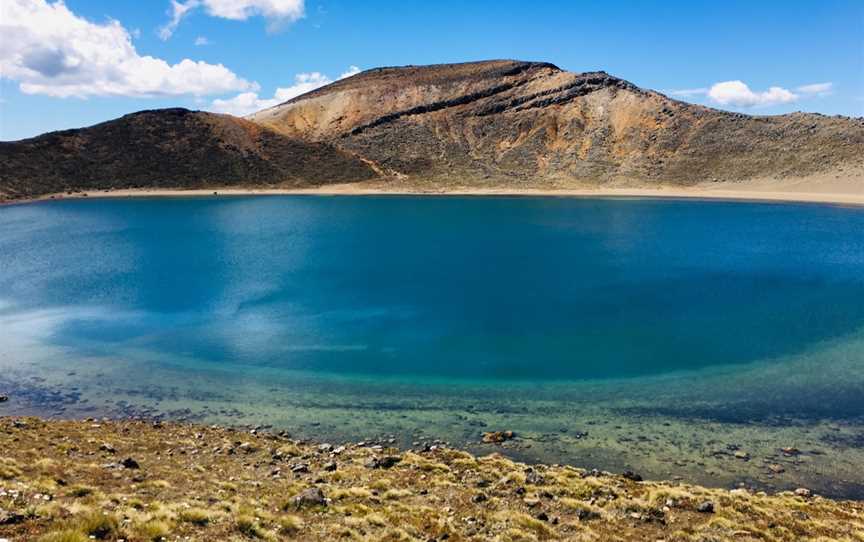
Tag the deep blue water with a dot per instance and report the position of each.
(465, 288)
(611, 333)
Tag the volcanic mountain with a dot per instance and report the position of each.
(502, 123)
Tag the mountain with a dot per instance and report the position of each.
(501, 123)
(516, 122)
(170, 148)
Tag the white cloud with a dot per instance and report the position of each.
(352, 70)
(738, 94)
(249, 102)
(277, 12)
(50, 50)
(820, 89)
(201, 40)
(689, 92)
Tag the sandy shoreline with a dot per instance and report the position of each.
(848, 194)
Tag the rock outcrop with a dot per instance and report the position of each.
(508, 122)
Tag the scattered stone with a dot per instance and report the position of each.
(804, 492)
(542, 516)
(480, 497)
(130, 463)
(630, 475)
(312, 496)
(105, 447)
(247, 447)
(330, 467)
(790, 451)
(706, 507)
(382, 462)
(497, 437)
(10, 518)
(741, 454)
(300, 468)
(4, 398)
(776, 469)
(532, 477)
(585, 514)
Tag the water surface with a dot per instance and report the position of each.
(667, 330)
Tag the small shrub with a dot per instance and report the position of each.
(196, 516)
(66, 535)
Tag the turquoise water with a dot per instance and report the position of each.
(351, 317)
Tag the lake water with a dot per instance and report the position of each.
(657, 335)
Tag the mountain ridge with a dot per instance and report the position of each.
(496, 123)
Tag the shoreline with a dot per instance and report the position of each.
(752, 193)
(145, 480)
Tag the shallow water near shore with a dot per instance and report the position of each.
(661, 336)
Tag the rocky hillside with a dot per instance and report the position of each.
(170, 148)
(502, 123)
(512, 122)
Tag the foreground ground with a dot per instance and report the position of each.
(132, 480)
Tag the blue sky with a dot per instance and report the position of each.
(93, 60)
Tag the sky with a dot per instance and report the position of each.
(79, 62)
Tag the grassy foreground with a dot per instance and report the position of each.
(74, 481)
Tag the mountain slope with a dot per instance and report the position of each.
(502, 124)
(510, 122)
(169, 148)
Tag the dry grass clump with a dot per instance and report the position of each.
(9, 468)
(197, 484)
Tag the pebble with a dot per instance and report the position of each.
(130, 463)
(803, 492)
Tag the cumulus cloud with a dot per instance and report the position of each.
(249, 102)
(49, 50)
(201, 40)
(738, 94)
(277, 12)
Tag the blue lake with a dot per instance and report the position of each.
(437, 317)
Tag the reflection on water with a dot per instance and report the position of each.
(642, 334)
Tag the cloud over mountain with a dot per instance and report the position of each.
(50, 50)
